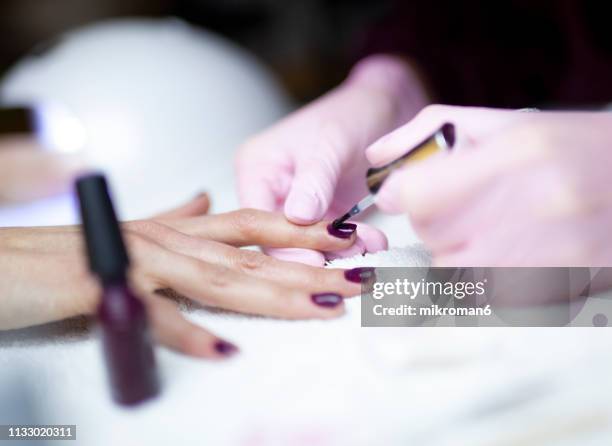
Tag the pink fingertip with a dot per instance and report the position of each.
(388, 199)
(305, 256)
(302, 208)
(357, 248)
(373, 239)
(373, 151)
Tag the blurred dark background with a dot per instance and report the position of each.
(503, 53)
(309, 44)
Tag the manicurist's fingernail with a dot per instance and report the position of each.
(328, 300)
(225, 348)
(345, 230)
(359, 275)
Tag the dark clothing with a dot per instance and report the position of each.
(505, 53)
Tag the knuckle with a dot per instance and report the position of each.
(246, 222)
(219, 277)
(250, 260)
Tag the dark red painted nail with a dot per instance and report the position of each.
(345, 230)
(328, 300)
(359, 275)
(225, 348)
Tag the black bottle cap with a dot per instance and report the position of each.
(108, 257)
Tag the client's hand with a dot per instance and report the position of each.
(45, 277)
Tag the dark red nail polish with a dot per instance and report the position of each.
(328, 300)
(345, 230)
(225, 348)
(359, 275)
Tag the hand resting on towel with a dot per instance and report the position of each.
(45, 276)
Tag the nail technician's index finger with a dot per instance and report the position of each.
(438, 186)
(472, 123)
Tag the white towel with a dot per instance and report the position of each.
(413, 255)
(312, 382)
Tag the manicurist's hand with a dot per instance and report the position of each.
(45, 277)
(311, 165)
(521, 189)
(27, 171)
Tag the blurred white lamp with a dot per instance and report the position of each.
(159, 105)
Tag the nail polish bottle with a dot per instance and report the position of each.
(122, 317)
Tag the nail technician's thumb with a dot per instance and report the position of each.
(303, 206)
(253, 188)
(388, 199)
(310, 194)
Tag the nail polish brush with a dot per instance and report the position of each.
(442, 139)
(122, 317)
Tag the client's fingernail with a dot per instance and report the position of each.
(345, 230)
(225, 348)
(200, 195)
(328, 300)
(359, 275)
